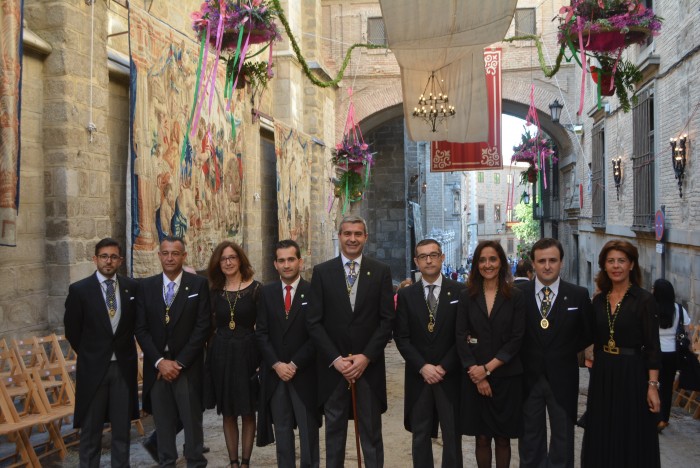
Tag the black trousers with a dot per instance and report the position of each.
(431, 400)
(173, 401)
(336, 410)
(111, 399)
(286, 407)
(667, 374)
(532, 446)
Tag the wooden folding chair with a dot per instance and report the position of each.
(56, 394)
(21, 411)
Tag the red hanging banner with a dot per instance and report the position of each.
(485, 155)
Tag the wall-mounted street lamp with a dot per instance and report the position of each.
(679, 150)
(525, 197)
(555, 110)
(617, 174)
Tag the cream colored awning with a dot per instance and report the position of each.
(448, 37)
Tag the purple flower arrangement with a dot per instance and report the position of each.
(624, 16)
(533, 150)
(353, 156)
(256, 17)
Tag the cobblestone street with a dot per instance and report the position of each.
(679, 442)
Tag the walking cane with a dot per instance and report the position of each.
(357, 424)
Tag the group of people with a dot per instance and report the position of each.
(491, 358)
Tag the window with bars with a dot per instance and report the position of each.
(643, 159)
(376, 31)
(480, 177)
(510, 246)
(525, 21)
(496, 178)
(482, 214)
(497, 213)
(598, 176)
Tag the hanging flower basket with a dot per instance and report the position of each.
(536, 151)
(608, 39)
(353, 161)
(254, 17)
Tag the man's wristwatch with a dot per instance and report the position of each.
(488, 372)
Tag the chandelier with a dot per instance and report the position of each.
(434, 108)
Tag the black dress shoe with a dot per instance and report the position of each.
(151, 448)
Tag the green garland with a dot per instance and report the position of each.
(302, 61)
(548, 72)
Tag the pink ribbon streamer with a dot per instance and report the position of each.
(241, 59)
(202, 79)
(219, 40)
(582, 49)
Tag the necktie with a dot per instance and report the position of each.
(111, 297)
(288, 299)
(546, 301)
(352, 274)
(432, 302)
(170, 294)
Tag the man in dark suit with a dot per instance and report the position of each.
(350, 321)
(425, 336)
(524, 271)
(556, 329)
(172, 327)
(99, 322)
(289, 371)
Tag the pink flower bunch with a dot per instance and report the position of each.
(605, 15)
(354, 156)
(255, 16)
(532, 149)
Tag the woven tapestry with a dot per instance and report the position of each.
(294, 159)
(183, 183)
(10, 103)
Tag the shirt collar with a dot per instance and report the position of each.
(102, 278)
(345, 260)
(177, 280)
(294, 284)
(438, 282)
(554, 286)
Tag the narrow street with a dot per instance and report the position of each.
(679, 442)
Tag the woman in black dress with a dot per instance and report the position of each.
(490, 327)
(623, 393)
(233, 356)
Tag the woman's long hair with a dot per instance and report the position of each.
(476, 281)
(217, 279)
(665, 297)
(602, 280)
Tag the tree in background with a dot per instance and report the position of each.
(527, 230)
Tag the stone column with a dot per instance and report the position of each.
(76, 168)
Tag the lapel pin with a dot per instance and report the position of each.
(565, 298)
(449, 293)
(302, 296)
(126, 290)
(187, 288)
(368, 273)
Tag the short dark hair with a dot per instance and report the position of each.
(426, 242)
(285, 244)
(174, 239)
(108, 242)
(352, 220)
(545, 243)
(523, 268)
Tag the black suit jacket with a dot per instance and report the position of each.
(282, 339)
(337, 330)
(185, 335)
(419, 347)
(499, 335)
(89, 332)
(552, 352)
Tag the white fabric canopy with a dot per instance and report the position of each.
(448, 37)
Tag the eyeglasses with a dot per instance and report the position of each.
(230, 259)
(105, 257)
(432, 255)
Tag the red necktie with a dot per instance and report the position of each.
(288, 299)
